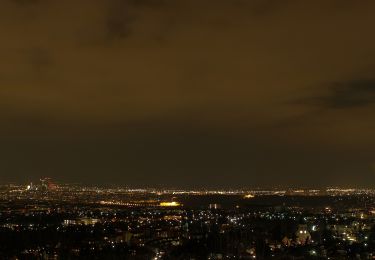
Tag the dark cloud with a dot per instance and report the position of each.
(118, 28)
(352, 94)
(39, 59)
(345, 95)
(119, 20)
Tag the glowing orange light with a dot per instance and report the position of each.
(169, 204)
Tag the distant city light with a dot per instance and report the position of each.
(170, 204)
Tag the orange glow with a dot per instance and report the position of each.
(169, 204)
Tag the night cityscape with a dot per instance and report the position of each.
(187, 129)
(44, 220)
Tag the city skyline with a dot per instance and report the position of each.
(163, 93)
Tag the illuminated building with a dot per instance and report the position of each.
(303, 235)
(214, 206)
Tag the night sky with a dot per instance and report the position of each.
(188, 93)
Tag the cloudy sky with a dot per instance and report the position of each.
(188, 93)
